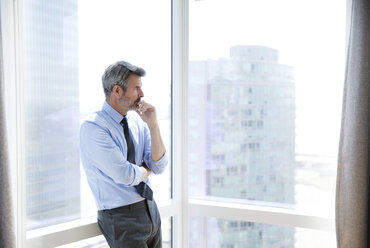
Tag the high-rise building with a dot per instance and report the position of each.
(242, 144)
(51, 100)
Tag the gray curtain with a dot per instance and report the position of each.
(352, 196)
(6, 220)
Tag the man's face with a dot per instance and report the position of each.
(131, 98)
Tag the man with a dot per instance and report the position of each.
(121, 147)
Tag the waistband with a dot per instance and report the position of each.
(132, 206)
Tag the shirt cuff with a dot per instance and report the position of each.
(157, 167)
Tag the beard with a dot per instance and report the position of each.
(125, 101)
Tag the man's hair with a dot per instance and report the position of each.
(118, 74)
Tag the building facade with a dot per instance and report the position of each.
(242, 144)
(51, 100)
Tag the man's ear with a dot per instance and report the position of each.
(117, 90)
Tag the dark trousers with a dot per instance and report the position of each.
(134, 226)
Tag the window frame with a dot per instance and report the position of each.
(180, 208)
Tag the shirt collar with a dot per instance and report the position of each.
(114, 114)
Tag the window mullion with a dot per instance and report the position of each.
(179, 115)
(12, 56)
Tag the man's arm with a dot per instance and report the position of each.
(148, 114)
(157, 147)
(98, 150)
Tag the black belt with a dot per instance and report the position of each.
(135, 205)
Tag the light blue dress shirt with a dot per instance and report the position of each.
(104, 157)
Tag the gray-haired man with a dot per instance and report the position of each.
(120, 149)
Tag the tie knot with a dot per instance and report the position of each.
(124, 122)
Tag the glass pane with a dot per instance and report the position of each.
(265, 84)
(66, 47)
(167, 232)
(220, 233)
(130, 31)
(51, 111)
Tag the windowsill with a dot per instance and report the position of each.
(244, 202)
(60, 227)
(309, 210)
(261, 212)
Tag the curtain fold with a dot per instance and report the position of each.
(352, 193)
(6, 220)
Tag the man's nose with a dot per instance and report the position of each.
(141, 93)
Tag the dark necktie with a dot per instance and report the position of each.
(142, 188)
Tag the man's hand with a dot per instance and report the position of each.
(146, 172)
(147, 113)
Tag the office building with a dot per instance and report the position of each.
(51, 113)
(242, 141)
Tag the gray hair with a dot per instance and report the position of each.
(118, 74)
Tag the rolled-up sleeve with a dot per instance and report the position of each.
(157, 167)
(100, 151)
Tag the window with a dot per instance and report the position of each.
(259, 96)
(263, 62)
(64, 48)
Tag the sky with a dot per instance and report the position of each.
(309, 35)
